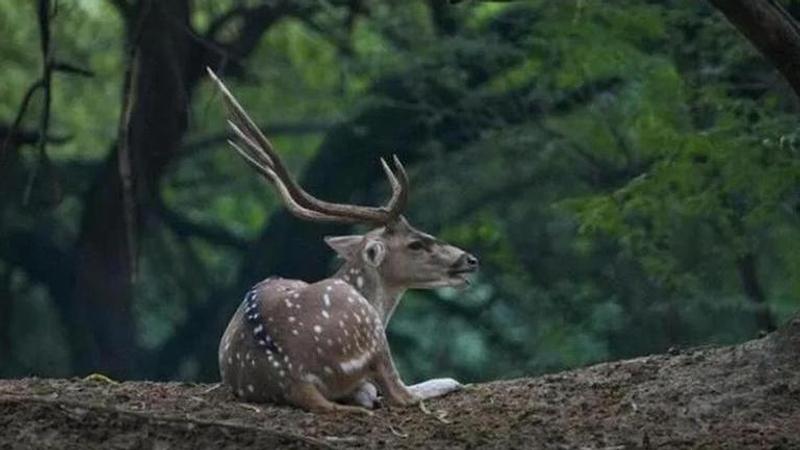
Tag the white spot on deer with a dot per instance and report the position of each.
(296, 295)
(251, 388)
(325, 314)
(240, 392)
(356, 363)
(289, 304)
(291, 319)
(328, 287)
(327, 300)
(282, 373)
(338, 282)
(341, 324)
(276, 364)
(350, 299)
(294, 332)
(319, 350)
(227, 346)
(360, 282)
(258, 328)
(241, 335)
(330, 342)
(253, 362)
(327, 370)
(358, 318)
(230, 360)
(317, 329)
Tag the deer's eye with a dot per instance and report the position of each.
(416, 245)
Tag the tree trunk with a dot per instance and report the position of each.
(158, 100)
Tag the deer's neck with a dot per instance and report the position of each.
(369, 284)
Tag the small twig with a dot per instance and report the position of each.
(65, 67)
(212, 388)
(397, 433)
(424, 408)
(439, 415)
(250, 407)
(349, 439)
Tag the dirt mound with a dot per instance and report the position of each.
(745, 396)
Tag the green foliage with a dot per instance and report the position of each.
(612, 167)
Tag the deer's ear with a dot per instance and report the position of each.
(345, 246)
(374, 252)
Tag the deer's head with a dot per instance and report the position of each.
(405, 257)
(397, 254)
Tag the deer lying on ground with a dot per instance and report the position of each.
(316, 345)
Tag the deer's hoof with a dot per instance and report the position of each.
(366, 396)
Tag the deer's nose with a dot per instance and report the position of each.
(471, 261)
(467, 261)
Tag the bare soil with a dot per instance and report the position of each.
(744, 396)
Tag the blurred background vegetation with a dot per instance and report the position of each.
(628, 175)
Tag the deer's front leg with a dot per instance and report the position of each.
(436, 387)
(388, 380)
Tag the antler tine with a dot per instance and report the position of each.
(399, 188)
(261, 154)
(294, 207)
(254, 150)
(397, 191)
(260, 168)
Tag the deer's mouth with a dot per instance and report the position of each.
(462, 276)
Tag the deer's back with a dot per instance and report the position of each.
(288, 331)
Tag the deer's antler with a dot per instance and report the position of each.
(257, 150)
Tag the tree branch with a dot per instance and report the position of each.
(44, 14)
(184, 227)
(23, 107)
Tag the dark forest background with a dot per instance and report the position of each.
(629, 175)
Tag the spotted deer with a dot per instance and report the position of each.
(322, 346)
